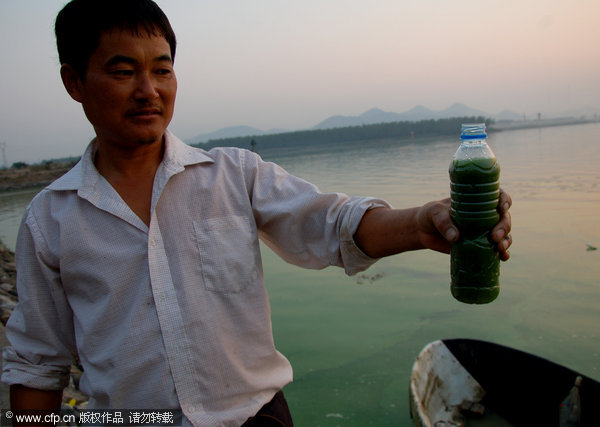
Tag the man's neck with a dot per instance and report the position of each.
(131, 173)
(128, 163)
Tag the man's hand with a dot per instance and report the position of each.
(27, 399)
(501, 232)
(384, 232)
(437, 231)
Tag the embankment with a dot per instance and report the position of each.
(32, 176)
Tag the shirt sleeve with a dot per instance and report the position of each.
(301, 224)
(40, 329)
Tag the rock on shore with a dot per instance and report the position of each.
(8, 277)
(8, 298)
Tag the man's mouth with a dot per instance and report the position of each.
(144, 112)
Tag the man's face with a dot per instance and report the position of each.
(129, 89)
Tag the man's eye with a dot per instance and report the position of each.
(122, 72)
(164, 71)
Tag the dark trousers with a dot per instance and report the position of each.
(275, 413)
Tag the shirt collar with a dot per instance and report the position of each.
(178, 154)
(84, 174)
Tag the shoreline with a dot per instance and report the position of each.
(538, 123)
(26, 177)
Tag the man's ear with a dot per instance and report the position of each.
(71, 81)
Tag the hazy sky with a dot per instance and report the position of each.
(283, 64)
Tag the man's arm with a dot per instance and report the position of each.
(384, 231)
(40, 329)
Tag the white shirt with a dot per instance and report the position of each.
(174, 315)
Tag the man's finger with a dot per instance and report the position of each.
(502, 229)
(440, 217)
(505, 201)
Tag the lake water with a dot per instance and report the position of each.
(352, 340)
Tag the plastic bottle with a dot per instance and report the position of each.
(475, 192)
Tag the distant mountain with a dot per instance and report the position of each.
(338, 122)
(417, 113)
(375, 115)
(232, 132)
(508, 115)
(460, 110)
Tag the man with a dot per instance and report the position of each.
(143, 261)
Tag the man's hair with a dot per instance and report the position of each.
(80, 24)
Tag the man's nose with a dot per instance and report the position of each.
(146, 87)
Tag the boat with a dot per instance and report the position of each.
(467, 382)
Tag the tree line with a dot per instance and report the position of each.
(396, 130)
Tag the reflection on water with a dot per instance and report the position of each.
(12, 208)
(352, 344)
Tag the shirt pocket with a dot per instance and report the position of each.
(229, 253)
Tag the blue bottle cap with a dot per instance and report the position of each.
(473, 131)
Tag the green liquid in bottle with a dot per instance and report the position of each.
(475, 190)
